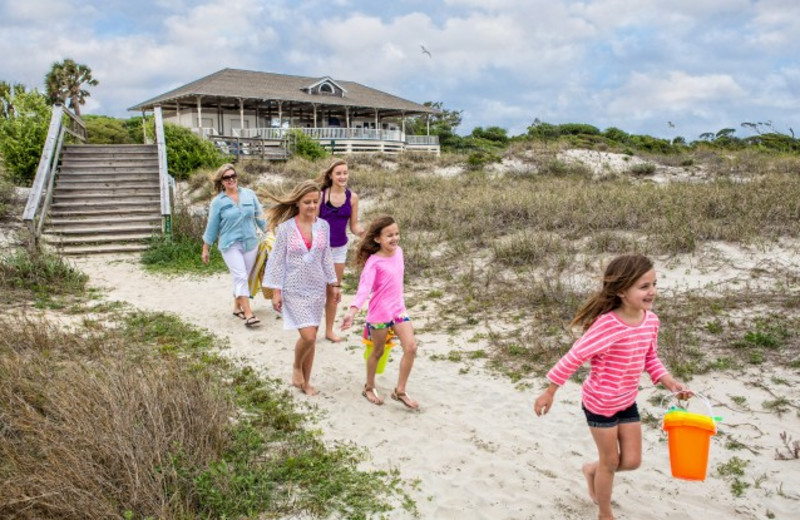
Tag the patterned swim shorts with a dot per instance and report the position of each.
(378, 326)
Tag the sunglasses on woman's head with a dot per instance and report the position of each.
(229, 177)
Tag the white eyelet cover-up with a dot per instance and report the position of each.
(301, 273)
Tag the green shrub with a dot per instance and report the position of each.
(107, 130)
(306, 147)
(40, 273)
(642, 169)
(22, 136)
(186, 152)
(6, 197)
(481, 158)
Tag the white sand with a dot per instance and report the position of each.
(476, 447)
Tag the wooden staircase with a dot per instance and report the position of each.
(106, 199)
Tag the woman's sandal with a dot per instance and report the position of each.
(378, 401)
(404, 398)
(252, 321)
(240, 315)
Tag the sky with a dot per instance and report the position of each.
(666, 69)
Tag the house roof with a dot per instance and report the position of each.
(253, 86)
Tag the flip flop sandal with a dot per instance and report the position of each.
(252, 321)
(403, 397)
(240, 315)
(374, 392)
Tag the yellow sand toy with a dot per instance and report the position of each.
(367, 340)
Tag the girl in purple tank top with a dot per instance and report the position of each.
(338, 207)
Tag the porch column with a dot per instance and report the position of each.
(347, 117)
(428, 123)
(144, 128)
(280, 114)
(178, 111)
(199, 115)
(241, 117)
(314, 106)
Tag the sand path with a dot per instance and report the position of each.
(475, 446)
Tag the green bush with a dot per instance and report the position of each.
(481, 158)
(187, 152)
(6, 197)
(107, 130)
(306, 147)
(22, 136)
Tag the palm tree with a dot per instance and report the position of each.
(64, 82)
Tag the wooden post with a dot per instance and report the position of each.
(314, 106)
(241, 117)
(199, 116)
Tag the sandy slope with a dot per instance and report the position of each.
(476, 447)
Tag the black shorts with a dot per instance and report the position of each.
(628, 415)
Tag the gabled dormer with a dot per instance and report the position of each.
(326, 87)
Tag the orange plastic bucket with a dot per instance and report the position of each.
(689, 441)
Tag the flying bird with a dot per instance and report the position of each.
(426, 51)
(671, 124)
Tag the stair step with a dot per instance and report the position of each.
(101, 229)
(102, 191)
(100, 176)
(111, 220)
(118, 205)
(94, 212)
(89, 197)
(97, 239)
(93, 163)
(101, 249)
(95, 148)
(110, 155)
(68, 185)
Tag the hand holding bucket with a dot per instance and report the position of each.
(689, 437)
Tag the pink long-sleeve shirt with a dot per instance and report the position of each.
(618, 353)
(382, 277)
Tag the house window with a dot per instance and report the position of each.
(325, 88)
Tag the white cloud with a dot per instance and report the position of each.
(673, 93)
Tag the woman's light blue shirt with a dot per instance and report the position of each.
(234, 222)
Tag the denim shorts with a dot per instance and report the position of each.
(628, 415)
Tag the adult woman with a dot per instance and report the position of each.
(232, 218)
(299, 268)
(339, 207)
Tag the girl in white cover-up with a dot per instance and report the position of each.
(299, 270)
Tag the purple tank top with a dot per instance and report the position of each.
(337, 217)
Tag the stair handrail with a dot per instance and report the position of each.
(48, 166)
(165, 180)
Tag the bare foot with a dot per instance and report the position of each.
(333, 338)
(309, 390)
(297, 378)
(589, 470)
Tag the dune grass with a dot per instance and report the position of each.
(38, 276)
(135, 415)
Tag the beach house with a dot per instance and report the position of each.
(246, 111)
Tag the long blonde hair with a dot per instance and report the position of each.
(621, 273)
(368, 246)
(286, 205)
(324, 178)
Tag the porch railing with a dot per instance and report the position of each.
(331, 133)
(63, 125)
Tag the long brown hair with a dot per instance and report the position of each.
(286, 205)
(621, 273)
(324, 179)
(368, 246)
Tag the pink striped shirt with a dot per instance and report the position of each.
(383, 277)
(618, 353)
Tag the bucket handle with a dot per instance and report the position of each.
(703, 398)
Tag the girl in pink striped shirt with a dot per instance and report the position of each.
(382, 276)
(620, 341)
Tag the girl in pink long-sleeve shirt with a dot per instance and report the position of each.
(620, 340)
(382, 276)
